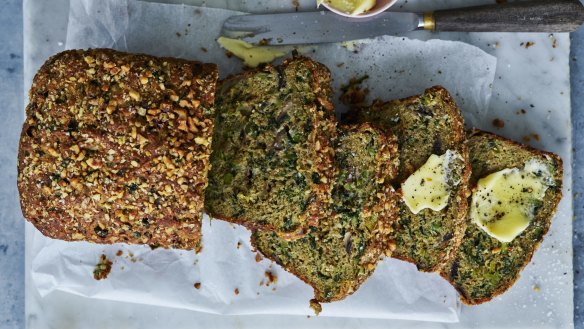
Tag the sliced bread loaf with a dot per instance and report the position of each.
(272, 160)
(339, 254)
(485, 267)
(115, 148)
(425, 125)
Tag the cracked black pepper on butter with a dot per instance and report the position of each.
(115, 148)
(484, 267)
(426, 125)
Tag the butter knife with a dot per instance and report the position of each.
(548, 16)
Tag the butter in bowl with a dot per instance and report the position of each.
(356, 8)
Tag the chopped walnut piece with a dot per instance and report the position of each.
(272, 278)
(103, 268)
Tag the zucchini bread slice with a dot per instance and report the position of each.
(425, 125)
(272, 160)
(337, 256)
(484, 267)
(115, 148)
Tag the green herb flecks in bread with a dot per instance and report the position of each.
(337, 256)
(426, 125)
(485, 267)
(272, 160)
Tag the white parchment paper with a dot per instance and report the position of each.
(232, 282)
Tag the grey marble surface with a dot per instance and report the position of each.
(577, 82)
(11, 222)
(11, 225)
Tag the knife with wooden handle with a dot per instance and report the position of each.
(550, 16)
(527, 16)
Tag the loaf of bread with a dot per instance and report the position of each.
(485, 267)
(425, 125)
(120, 148)
(272, 161)
(115, 148)
(338, 255)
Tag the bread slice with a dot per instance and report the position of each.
(115, 148)
(484, 267)
(427, 124)
(337, 256)
(272, 161)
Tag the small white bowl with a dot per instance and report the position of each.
(380, 6)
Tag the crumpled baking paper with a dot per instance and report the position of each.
(233, 279)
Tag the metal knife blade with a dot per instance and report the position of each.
(316, 27)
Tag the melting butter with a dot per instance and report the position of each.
(427, 187)
(503, 203)
(251, 55)
(351, 7)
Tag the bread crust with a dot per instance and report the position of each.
(115, 148)
(555, 200)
